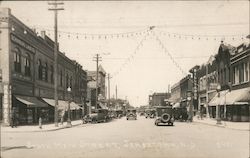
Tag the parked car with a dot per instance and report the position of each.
(119, 113)
(131, 114)
(180, 113)
(150, 113)
(164, 115)
(98, 115)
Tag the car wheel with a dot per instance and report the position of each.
(127, 118)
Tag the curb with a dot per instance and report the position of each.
(48, 130)
(221, 126)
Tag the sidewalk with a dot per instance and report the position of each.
(35, 128)
(244, 126)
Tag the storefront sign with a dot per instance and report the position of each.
(22, 43)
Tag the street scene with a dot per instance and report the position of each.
(124, 79)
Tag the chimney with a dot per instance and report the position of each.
(43, 34)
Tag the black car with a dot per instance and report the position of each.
(164, 115)
(131, 114)
(98, 115)
(150, 113)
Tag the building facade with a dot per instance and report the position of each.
(27, 65)
(233, 97)
(176, 94)
(158, 99)
(207, 84)
(92, 86)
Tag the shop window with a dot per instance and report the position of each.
(17, 60)
(27, 66)
(40, 70)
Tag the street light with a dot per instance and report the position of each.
(68, 120)
(189, 99)
(218, 119)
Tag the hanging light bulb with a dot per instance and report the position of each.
(25, 32)
(13, 28)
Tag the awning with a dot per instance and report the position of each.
(176, 105)
(63, 105)
(235, 97)
(31, 102)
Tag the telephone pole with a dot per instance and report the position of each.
(108, 90)
(116, 92)
(97, 58)
(55, 7)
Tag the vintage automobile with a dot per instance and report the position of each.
(180, 113)
(164, 115)
(131, 114)
(150, 113)
(98, 115)
(119, 113)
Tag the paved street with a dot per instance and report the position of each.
(122, 138)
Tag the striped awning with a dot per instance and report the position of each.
(235, 97)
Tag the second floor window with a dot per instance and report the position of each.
(46, 72)
(52, 74)
(246, 72)
(236, 75)
(27, 65)
(17, 60)
(40, 70)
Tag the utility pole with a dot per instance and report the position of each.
(116, 92)
(108, 90)
(55, 8)
(97, 58)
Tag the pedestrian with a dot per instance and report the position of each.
(40, 122)
(62, 120)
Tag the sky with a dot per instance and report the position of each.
(143, 63)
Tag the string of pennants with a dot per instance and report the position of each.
(110, 36)
(131, 57)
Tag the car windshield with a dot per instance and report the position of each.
(163, 110)
(133, 111)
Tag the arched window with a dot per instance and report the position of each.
(52, 74)
(27, 66)
(46, 72)
(40, 70)
(17, 60)
(67, 80)
(61, 78)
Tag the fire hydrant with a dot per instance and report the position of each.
(40, 122)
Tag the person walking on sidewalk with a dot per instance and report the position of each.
(13, 120)
(40, 122)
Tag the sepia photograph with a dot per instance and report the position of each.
(125, 79)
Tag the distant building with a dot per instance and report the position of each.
(158, 99)
(185, 86)
(207, 83)
(92, 85)
(175, 98)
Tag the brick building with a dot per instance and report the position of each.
(233, 98)
(27, 66)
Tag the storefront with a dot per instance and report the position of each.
(233, 105)
(75, 109)
(28, 110)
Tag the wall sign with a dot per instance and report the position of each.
(22, 43)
